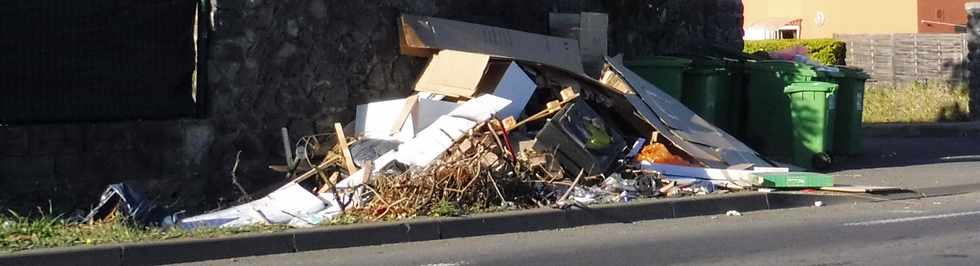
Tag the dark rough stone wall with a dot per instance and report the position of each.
(973, 58)
(302, 64)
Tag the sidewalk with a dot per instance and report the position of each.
(915, 162)
(951, 129)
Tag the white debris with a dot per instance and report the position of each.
(733, 213)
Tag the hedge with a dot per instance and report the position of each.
(825, 51)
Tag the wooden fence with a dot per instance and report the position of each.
(903, 57)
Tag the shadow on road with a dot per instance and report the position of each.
(897, 152)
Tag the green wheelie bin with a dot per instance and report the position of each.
(769, 126)
(848, 139)
(812, 107)
(738, 77)
(707, 91)
(666, 72)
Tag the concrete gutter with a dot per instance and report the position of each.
(423, 229)
(957, 129)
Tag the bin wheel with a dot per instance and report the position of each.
(822, 161)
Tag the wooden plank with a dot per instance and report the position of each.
(567, 95)
(344, 149)
(861, 189)
(318, 169)
(407, 109)
(327, 184)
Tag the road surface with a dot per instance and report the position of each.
(935, 231)
(913, 163)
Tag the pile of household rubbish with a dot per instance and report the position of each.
(500, 119)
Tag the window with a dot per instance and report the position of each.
(787, 34)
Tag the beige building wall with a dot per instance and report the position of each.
(824, 18)
(761, 9)
(858, 16)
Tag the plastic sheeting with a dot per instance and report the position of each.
(130, 201)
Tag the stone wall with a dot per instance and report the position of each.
(300, 64)
(973, 58)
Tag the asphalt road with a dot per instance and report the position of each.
(936, 231)
(913, 163)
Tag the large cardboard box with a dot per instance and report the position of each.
(463, 74)
(424, 36)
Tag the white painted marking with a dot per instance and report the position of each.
(907, 211)
(458, 263)
(912, 219)
(962, 157)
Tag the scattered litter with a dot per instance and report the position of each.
(290, 204)
(371, 149)
(658, 153)
(818, 203)
(499, 119)
(128, 200)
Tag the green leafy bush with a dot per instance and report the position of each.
(825, 51)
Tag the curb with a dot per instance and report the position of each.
(165, 252)
(957, 129)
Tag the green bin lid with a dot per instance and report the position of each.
(810, 86)
(662, 61)
(707, 63)
(830, 73)
(785, 66)
(853, 72)
(706, 66)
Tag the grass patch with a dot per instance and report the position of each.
(19, 233)
(445, 208)
(918, 102)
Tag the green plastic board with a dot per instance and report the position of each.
(792, 180)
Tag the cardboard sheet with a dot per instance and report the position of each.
(437, 138)
(565, 25)
(591, 31)
(424, 36)
(453, 73)
(374, 120)
(700, 153)
(514, 85)
(289, 204)
(688, 131)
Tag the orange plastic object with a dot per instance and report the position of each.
(658, 153)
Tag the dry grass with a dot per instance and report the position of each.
(19, 233)
(916, 103)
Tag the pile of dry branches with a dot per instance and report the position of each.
(479, 171)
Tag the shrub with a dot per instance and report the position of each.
(825, 51)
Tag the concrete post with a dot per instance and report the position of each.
(973, 58)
